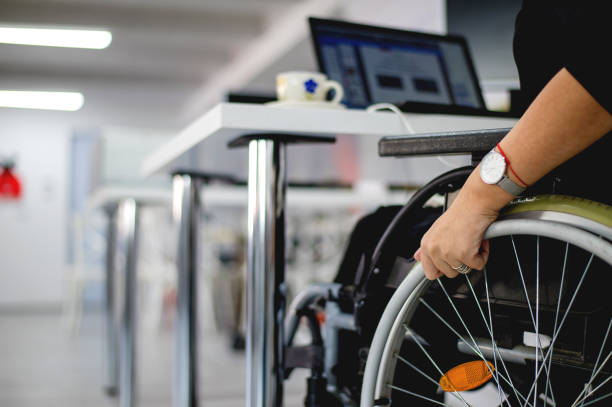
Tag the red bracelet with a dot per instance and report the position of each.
(510, 167)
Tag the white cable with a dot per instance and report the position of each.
(407, 126)
(381, 106)
(446, 162)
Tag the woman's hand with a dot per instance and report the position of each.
(456, 237)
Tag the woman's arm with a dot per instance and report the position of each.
(561, 122)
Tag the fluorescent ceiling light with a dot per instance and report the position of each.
(67, 101)
(47, 37)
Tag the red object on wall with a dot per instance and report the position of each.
(10, 187)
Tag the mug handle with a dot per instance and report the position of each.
(339, 91)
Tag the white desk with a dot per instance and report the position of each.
(121, 205)
(202, 147)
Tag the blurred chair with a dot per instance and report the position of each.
(156, 265)
(81, 273)
(225, 273)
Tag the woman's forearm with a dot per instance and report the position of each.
(562, 121)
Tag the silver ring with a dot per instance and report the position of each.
(462, 269)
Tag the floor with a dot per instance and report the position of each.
(41, 366)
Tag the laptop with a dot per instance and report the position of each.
(416, 71)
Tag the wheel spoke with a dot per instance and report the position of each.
(557, 311)
(418, 395)
(556, 333)
(534, 321)
(599, 355)
(422, 373)
(457, 313)
(493, 344)
(592, 391)
(597, 399)
(479, 352)
(537, 324)
(490, 330)
(476, 351)
(409, 331)
(593, 376)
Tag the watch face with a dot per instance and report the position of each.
(492, 167)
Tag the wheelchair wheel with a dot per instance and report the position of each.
(532, 329)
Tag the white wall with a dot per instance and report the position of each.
(416, 15)
(33, 230)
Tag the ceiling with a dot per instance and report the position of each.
(166, 61)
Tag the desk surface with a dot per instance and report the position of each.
(203, 144)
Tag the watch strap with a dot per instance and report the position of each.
(510, 186)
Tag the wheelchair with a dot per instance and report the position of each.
(531, 329)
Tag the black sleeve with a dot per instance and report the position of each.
(590, 48)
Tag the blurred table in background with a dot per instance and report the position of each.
(122, 206)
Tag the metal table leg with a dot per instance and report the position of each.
(186, 205)
(265, 273)
(266, 290)
(127, 238)
(111, 355)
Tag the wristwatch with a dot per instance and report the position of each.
(493, 172)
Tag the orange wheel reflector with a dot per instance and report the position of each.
(321, 317)
(467, 376)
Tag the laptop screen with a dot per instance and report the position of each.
(376, 65)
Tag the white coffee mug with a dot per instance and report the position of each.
(298, 86)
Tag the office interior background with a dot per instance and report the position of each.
(168, 63)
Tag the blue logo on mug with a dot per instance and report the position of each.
(310, 85)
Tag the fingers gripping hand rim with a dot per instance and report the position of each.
(434, 268)
(462, 269)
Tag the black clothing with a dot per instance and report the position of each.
(552, 34)
(555, 34)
